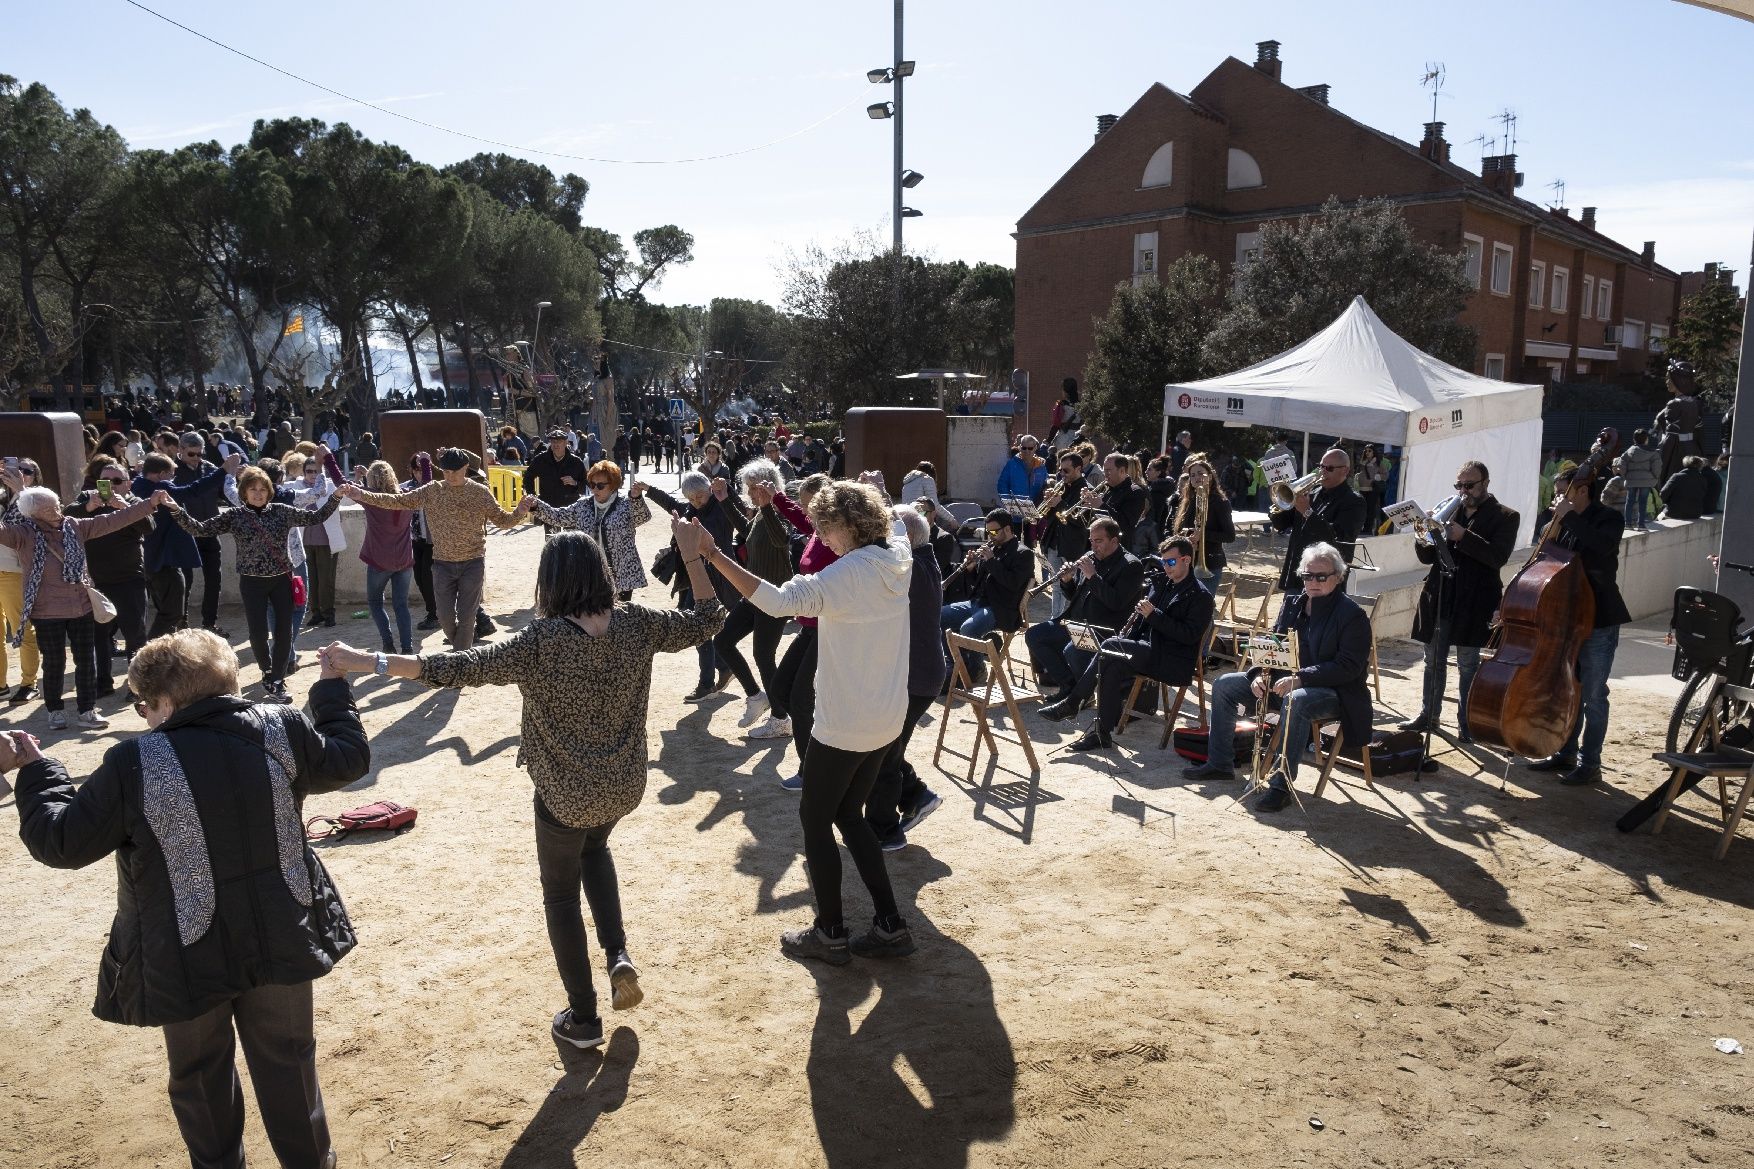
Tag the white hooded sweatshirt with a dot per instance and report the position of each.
(860, 602)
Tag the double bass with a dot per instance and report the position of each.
(1526, 695)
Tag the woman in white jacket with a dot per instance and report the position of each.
(324, 542)
(861, 603)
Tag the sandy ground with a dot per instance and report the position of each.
(1115, 968)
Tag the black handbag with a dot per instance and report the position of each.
(667, 563)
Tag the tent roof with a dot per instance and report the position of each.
(1358, 379)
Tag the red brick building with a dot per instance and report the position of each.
(1557, 299)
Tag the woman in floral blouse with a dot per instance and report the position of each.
(584, 667)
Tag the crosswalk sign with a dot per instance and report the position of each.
(678, 408)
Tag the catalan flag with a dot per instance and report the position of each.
(296, 325)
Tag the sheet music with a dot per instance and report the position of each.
(1279, 469)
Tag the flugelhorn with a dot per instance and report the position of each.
(1285, 494)
(1441, 516)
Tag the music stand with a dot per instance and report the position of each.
(1086, 636)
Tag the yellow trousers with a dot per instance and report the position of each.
(12, 608)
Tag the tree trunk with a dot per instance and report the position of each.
(413, 359)
(39, 331)
(362, 390)
(438, 341)
(469, 361)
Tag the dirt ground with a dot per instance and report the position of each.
(1115, 967)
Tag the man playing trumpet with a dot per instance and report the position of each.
(1333, 514)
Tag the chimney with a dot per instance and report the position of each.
(1433, 146)
(1589, 218)
(1267, 58)
(1105, 123)
(1649, 255)
(1562, 212)
(1500, 173)
(1319, 92)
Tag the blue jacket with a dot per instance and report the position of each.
(1016, 479)
(167, 545)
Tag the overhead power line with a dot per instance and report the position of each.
(854, 100)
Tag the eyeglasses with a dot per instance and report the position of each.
(599, 484)
(1333, 466)
(1318, 577)
(1459, 486)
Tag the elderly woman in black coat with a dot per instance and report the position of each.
(224, 915)
(704, 500)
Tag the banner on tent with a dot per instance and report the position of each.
(1229, 408)
(1437, 422)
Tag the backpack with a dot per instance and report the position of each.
(383, 816)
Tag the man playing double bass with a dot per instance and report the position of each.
(1592, 532)
(1457, 606)
(1332, 514)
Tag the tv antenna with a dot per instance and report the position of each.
(1557, 186)
(1507, 118)
(1433, 78)
(1488, 145)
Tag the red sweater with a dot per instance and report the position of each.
(817, 555)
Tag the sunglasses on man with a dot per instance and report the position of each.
(1318, 577)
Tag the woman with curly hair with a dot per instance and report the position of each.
(1196, 473)
(861, 603)
(608, 516)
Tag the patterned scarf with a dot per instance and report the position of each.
(72, 569)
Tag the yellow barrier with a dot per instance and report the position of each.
(507, 484)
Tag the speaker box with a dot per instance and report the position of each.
(402, 434)
(893, 439)
(55, 441)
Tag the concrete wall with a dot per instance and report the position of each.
(1653, 565)
(978, 448)
(350, 578)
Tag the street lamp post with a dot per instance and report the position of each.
(900, 177)
(535, 386)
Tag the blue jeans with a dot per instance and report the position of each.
(1307, 705)
(968, 618)
(1594, 662)
(375, 580)
(1634, 512)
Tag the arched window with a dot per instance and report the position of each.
(1161, 168)
(1244, 171)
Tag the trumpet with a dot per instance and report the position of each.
(1285, 494)
(1432, 529)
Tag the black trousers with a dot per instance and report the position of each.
(53, 638)
(423, 575)
(129, 597)
(744, 619)
(260, 595)
(568, 859)
(275, 1026)
(898, 786)
(169, 590)
(794, 688)
(1116, 679)
(836, 786)
(211, 582)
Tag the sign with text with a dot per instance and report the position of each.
(1279, 469)
(1231, 408)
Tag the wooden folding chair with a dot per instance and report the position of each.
(1171, 710)
(1231, 633)
(1714, 758)
(1333, 755)
(1006, 637)
(996, 690)
(1368, 604)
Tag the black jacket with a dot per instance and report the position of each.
(246, 925)
(1126, 501)
(1182, 613)
(1688, 495)
(200, 506)
(1594, 534)
(1107, 599)
(547, 470)
(715, 517)
(1220, 528)
(1333, 651)
(116, 557)
(999, 583)
(1473, 593)
(1336, 516)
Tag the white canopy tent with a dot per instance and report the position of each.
(1358, 380)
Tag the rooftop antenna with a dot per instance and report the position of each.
(1486, 143)
(1434, 75)
(1557, 186)
(1507, 118)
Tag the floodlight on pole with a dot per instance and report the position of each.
(877, 111)
(912, 178)
(910, 213)
(877, 76)
(535, 335)
(904, 69)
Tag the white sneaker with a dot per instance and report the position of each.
(57, 720)
(753, 708)
(772, 728)
(91, 720)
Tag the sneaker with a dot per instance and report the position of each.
(813, 943)
(925, 806)
(57, 720)
(624, 991)
(292, 663)
(698, 694)
(878, 942)
(568, 1029)
(772, 728)
(24, 693)
(893, 841)
(91, 720)
(430, 621)
(219, 629)
(722, 681)
(793, 783)
(753, 708)
(277, 694)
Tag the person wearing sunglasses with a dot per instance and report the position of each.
(1002, 569)
(1106, 583)
(117, 563)
(1331, 514)
(1161, 641)
(1456, 608)
(1333, 647)
(609, 516)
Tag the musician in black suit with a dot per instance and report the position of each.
(1174, 616)
(1105, 583)
(1332, 514)
(1457, 605)
(1120, 496)
(1333, 643)
(1002, 569)
(1066, 537)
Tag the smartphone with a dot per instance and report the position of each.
(105, 489)
(12, 463)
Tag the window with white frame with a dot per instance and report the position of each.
(1586, 303)
(1473, 248)
(1537, 283)
(1659, 338)
(1144, 256)
(1560, 288)
(1604, 300)
(1503, 259)
(1632, 334)
(1494, 367)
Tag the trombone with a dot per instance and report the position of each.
(1285, 494)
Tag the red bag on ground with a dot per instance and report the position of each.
(383, 816)
(1190, 743)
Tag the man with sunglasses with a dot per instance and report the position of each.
(1332, 514)
(1002, 569)
(554, 476)
(1105, 583)
(1163, 643)
(1457, 605)
(1333, 651)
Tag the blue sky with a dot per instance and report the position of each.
(1637, 104)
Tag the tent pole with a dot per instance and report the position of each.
(1303, 467)
(1163, 442)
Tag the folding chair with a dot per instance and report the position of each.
(1170, 710)
(1006, 637)
(1368, 604)
(1716, 759)
(1234, 625)
(996, 690)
